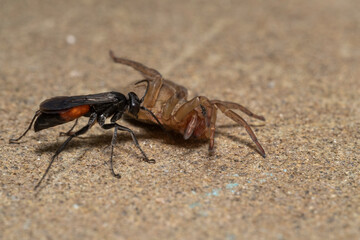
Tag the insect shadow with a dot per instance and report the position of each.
(176, 139)
(152, 132)
(169, 137)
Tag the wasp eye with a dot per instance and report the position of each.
(134, 104)
(134, 108)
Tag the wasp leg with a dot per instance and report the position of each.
(232, 105)
(69, 133)
(229, 113)
(62, 147)
(148, 73)
(12, 140)
(113, 142)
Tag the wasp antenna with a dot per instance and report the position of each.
(111, 53)
(147, 88)
(153, 115)
(31, 123)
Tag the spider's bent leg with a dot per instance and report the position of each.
(149, 73)
(232, 105)
(229, 113)
(190, 127)
(212, 127)
(189, 106)
(171, 103)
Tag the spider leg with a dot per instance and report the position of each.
(212, 127)
(232, 105)
(171, 103)
(190, 127)
(189, 106)
(153, 93)
(148, 73)
(229, 113)
(62, 147)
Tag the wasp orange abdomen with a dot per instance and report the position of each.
(75, 112)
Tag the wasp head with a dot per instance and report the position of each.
(134, 104)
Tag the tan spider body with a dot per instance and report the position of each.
(168, 101)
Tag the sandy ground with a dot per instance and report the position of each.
(295, 62)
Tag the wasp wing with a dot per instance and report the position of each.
(59, 104)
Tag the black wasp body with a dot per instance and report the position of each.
(98, 108)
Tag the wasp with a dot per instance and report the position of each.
(98, 108)
(191, 118)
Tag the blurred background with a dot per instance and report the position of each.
(295, 62)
